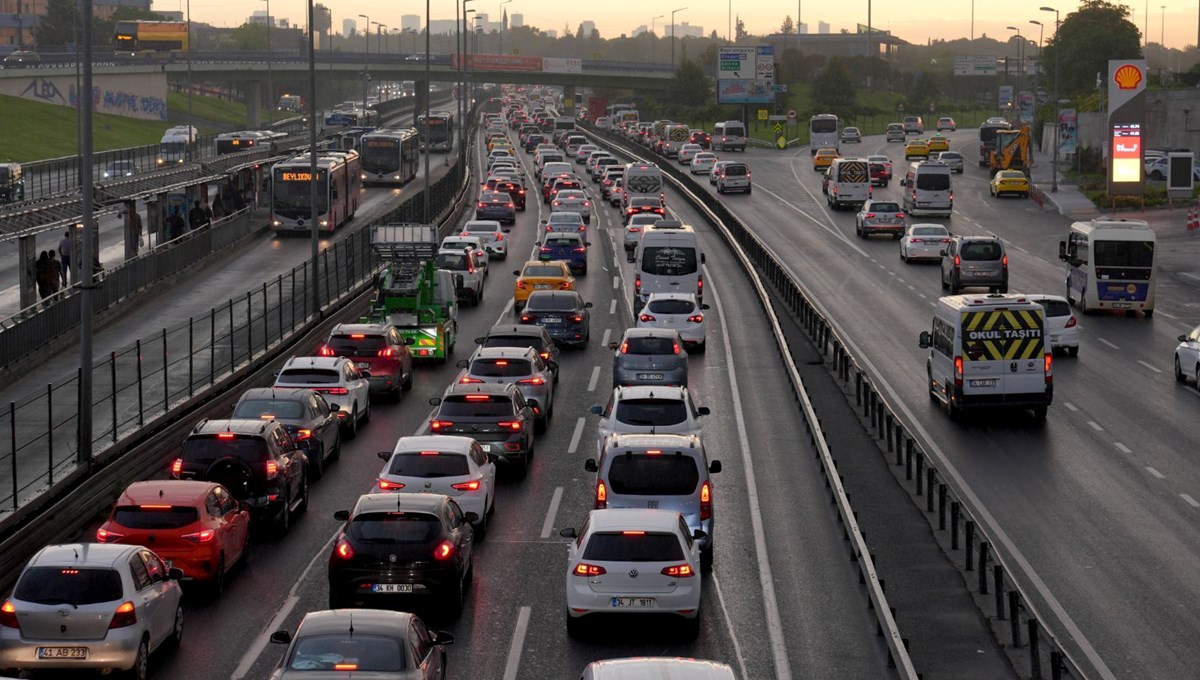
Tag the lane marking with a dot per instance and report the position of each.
(551, 512)
(1095, 426)
(783, 667)
(612, 308)
(616, 282)
(737, 647)
(575, 436)
(1190, 275)
(819, 223)
(1167, 314)
(1154, 472)
(1152, 368)
(595, 377)
(1190, 501)
(923, 296)
(504, 312)
(605, 338)
(1070, 406)
(1122, 448)
(518, 643)
(911, 287)
(1108, 343)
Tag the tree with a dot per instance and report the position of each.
(691, 86)
(739, 30)
(1088, 38)
(57, 27)
(788, 27)
(833, 90)
(249, 37)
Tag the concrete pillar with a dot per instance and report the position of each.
(27, 254)
(569, 100)
(131, 233)
(154, 222)
(421, 90)
(253, 104)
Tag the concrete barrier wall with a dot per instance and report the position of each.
(134, 95)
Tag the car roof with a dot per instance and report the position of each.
(381, 622)
(314, 362)
(277, 393)
(494, 224)
(565, 294)
(357, 328)
(1038, 297)
(398, 502)
(650, 391)
(914, 225)
(82, 555)
(690, 297)
(165, 491)
(436, 442)
(650, 333)
(505, 353)
(493, 389)
(242, 426)
(517, 329)
(615, 519)
(570, 235)
(650, 668)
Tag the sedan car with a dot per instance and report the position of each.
(378, 349)
(555, 184)
(496, 205)
(375, 643)
(680, 312)
(517, 335)
(649, 356)
(1187, 357)
(1012, 182)
(879, 217)
(851, 134)
(938, 143)
(564, 315)
(456, 467)
(687, 152)
(494, 414)
(946, 123)
(634, 228)
(515, 191)
(644, 204)
(573, 200)
(539, 275)
(703, 163)
(917, 148)
(823, 158)
(568, 247)
(923, 242)
(492, 235)
(308, 418)
(337, 377)
(716, 170)
(564, 222)
(1061, 323)
(394, 548)
(953, 159)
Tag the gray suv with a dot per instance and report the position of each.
(975, 262)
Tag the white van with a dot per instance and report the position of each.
(657, 668)
(642, 180)
(989, 351)
(927, 189)
(668, 260)
(849, 183)
(730, 134)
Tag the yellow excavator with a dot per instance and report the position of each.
(1011, 151)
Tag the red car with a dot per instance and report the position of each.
(377, 348)
(702, 138)
(548, 184)
(198, 527)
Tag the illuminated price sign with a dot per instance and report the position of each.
(1127, 152)
(295, 176)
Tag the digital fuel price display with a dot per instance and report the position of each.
(1126, 152)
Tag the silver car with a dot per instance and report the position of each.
(648, 409)
(953, 159)
(374, 643)
(649, 356)
(851, 134)
(879, 217)
(573, 200)
(96, 606)
(521, 366)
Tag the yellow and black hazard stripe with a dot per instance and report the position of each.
(1002, 335)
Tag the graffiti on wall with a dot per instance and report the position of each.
(128, 104)
(135, 96)
(45, 90)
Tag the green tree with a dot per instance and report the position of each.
(691, 86)
(249, 37)
(834, 90)
(1088, 38)
(57, 27)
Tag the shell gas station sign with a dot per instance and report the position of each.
(1126, 126)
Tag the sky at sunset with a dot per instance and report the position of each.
(913, 20)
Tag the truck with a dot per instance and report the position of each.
(987, 140)
(596, 107)
(1011, 151)
(412, 294)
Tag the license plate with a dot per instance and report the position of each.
(551, 319)
(650, 376)
(651, 505)
(541, 286)
(62, 652)
(1122, 305)
(982, 273)
(391, 588)
(363, 364)
(990, 382)
(632, 602)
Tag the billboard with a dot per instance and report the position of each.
(499, 62)
(1067, 120)
(743, 92)
(745, 75)
(1126, 121)
(561, 65)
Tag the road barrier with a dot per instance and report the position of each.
(1193, 218)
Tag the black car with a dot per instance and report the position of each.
(256, 460)
(563, 314)
(496, 205)
(395, 547)
(515, 191)
(310, 420)
(702, 138)
(523, 336)
(493, 414)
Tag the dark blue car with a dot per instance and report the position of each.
(563, 313)
(568, 247)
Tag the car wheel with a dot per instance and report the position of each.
(481, 527)
(955, 286)
(283, 523)
(141, 663)
(337, 448)
(397, 392)
(351, 426)
(1073, 351)
(953, 411)
(366, 416)
(945, 286)
(720, 190)
(540, 423)
(217, 586)
(407, 383)
(929, 376)
(706, 558)
(1179, 376)
(903, 257)
(454, 600)
(316, 464)
(303, 506)
(1039, 413)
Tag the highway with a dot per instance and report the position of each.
(1100, 502)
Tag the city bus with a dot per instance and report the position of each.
(132, 37)
(1110, 265)
(436, 131)
(292, 103)
(823, 132)
(177, 144)
(338, 182)
(390, 156)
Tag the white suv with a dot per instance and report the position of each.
(492, 235)
(338, 379)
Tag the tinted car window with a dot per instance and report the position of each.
(929, 231)
(543, 270)
(1055, 307)
(279, 408)
(643, 202)
(932, 181)
(365, 653)
(658, 474)
(979, 250)
(886, 207)
(671, 306)
(61, 585)
(486, 228)
(207, 449)
(562, 242)
(500, 368)
(649, 345)
(137, 517)
(429, 465)
(648, 412)
(310, 376)
(620, 547)
(395, 528)
(347, 346)
(669, 261)
(491, 407)
(552, 303)
(513, 341)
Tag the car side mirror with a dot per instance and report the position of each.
(384, 455)
(493, 457)
(342, 515)
(942, 252)
(699, 535)
(590, 465)
(704, 410)
(568, 532)
(333, 408)
(714, 467)
(435, 401)
(175, 574)
(596, 410)
(442, 638)
(410, 341)
(925, 340)
(1183, 338)
(281, 637)
(552, 365)
(479, 341)
(903, 183)
(587, 305)
(704, 307)
(587, 243)
(471, 517)
(508, 231)
(463, 363)
(516, 272)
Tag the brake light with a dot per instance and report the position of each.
(472, 485)
(957, 261)
(557, 202)
(625, 347)
(1071, 322)
(646, 318)
(585, 569)
(8, 615)
(272, 469)
(345, 666)
(499, 236)
(635, 230)
(675, 345)
(679, 571)
(302, 434)
(545, 355)
(385, 485)
(482, 204)
(385, 352)
(1004, 261)
(531, 381)
(705, 501)
(343, 549)
(696, 318)
(958, 371)
(325, 351)
(601, 496)
(900, 215)
(868, 215)
(916, 240)
(439, 425)
(334, 390)
(637, 283)
(565, 285)
(509, 204)
(443, 551)
(225, 435)
(525, 318)
(106, 536)
(177, 467)
(205, 536)
(123, 617)
(1049, 367)
(514, 425)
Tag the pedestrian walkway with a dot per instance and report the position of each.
(1069, 200)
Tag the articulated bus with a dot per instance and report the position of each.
(823, 132)
(338, 184)
(1110, 265)
(437, 131)
(132, 37)
(390, 156)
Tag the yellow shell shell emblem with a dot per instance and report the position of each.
(1128, 77)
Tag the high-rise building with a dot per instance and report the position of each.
(349, 27)
(410, 22)
(822, 28)
(551, 33)
(260, 17)
(803, 29)
(586, 29)
(516, 20)
(685, 30)
(641, 30)
(443, 26)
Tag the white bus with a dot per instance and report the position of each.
(823, 132)
(338, 183)
(176, 144)
(1110, 265)
(642, 179)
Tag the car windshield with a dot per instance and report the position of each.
(269, 408)
(571, 195)
(980, 251)
(501, 368)
(660, 474)
(651, 412)
(633, 547)
(478, 406)
(68, 585)
(484, 226)
(429, 464)
(669, 260)
(735, 170)
(553, 303)
(395, 528)
(544, 270)
(885, 207)
(310, 376)
(494, 197)
(344, 652)
(155, 516)
(513, 341)
(562, 242)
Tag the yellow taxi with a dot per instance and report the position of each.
(823, 158)
(938, 142)
(1010, 182)
(497, 140)
(917, 148)
(534, 275)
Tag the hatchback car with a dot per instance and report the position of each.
(564, 222)
(373, 643)
(612, 174)
(634, 228)
(923, 242)
(91, 606)
(649, 356)
(339, 379)
(1010, 182)
(703, 163)
(648, 409)
(644, 204)
(394, 548)
(680, 312)
(456, 467)
(879, 217)
(491, 233)
(823, 158)
(515, 191)
(472, 243)
(687, 152)
(312, 423)
(496, 205)
(518, 335)
(552, 184)
(573, 200)
(196, 527)
(564, 315)
(701, 138)
(946, 123)
(495, 415)
(895, 132)
(851, 134)
(975, 261)
(953, 159)
(539, 275)
(520, 366)
(1187, 357)
(629, 562)
(376, 348)
(569, 247)
(716, 170)
(1061, 323)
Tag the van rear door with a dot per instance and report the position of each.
(1004, 351)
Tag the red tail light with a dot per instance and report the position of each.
(675, 345)
(1071, 322)
(957, 261)
(510, 204)
(578, 318)
(625, 347)
(499, 236)
(581, 249)
(531, 381)
(557, 202)
(634, 230)
(585, 569)
(868, 215)
(700, 285)
(900, 215)
(472, 485)
(443, 551)
(440, 425)
(325, 351)
(272, 469)
(1049, 368)
(958, 371)
(177, 467)
(106, 536)
(1004, 261)
(468, 380)
(333, 390)
(565, 285)
(916, 240)
(343, 549)
(645, 318)
(525, 318)
(123, 617)
(679, 571)
(302, 434)
(8, 615)
(705, 501)
(482, 204)
(637, 283)
(696, 318)
(205, 536)
(514, 425)
(601, 496)
(385, 485)
(386, 353)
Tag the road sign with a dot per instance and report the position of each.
(779, 88)
(736, 63)
(762, 114)
(781, 141)
(792, 114)
(778, 129)
(776, 119)
(974, 65)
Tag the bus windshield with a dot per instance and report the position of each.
(380, 155)
(821, 125)
(291, 197)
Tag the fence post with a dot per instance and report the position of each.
(279, 285)
(1014, 618)
(49, 432)
(983, 558)
(969, 548)
(292, 276)
(141, 403)
(232, 362)
(212, 346)
(166, 375)
(249, 327)
(1035, 653)
(12, 426)
(325, 264)
(191, 358)
(112, 364)
(305, 293)
(955, 508)
(998, 586)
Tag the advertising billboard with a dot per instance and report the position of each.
(499, 62)
(745, 75)
(1126, 119)
(561, 65)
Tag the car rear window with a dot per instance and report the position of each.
(363, 653)
(269, 408)
(1055, 307)
(543, 270)
(485, 228)
(651, 412)
(395, 528)
(143, 517)
(68, 585)
(481, 406)
(735, 170)
(451, 261)
(210, 448)
(494, 197)
(500, 368)
(665, 474)
(929, 231)
(671, 307)
(310, 376)
(669, 261)
(633, 547)
(885, 207)
(361, 346)
(513, 341)
(429, 465)
(552, 303)
(933, 181)
(648, 344)
(980, 251)
(562, 242)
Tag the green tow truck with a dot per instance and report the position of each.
(411, 293)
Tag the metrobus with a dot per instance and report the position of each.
(436, 131)
(390, 156)
(131, 37)
(823, 132)
(291, 102)
(338, 182)
(1110, 265)
(233, 142)
(177, 144)
(642, 179)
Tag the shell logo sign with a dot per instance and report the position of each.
(1128, 77)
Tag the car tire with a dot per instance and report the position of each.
(576, 627)
(303, 506)
(955, 286)
(748, 189)
(407, 383)
(1179, 376)
(1039, 413)
(481, 527)
(720, 190)
(454, 600)
(316, 464)
(903, 257)
(176, 638)
(706, 558)
(1073, 351)
(691, 627)
(929, 377)
(351, 427)
(366, 416)
(945, 286)
(217, 585)
(541, 423)
(141, 662)
(953, 411)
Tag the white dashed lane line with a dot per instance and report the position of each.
(1152, 368)
(518, 644)
(607, 335)
(1122, 448)
(1156, 473)
(1095, 426)
(1190, 501)
(595, 377)
(1070, 406)
(612, 308)
(616, 282)
(551, 512)
(1108, 343)
(576, 435)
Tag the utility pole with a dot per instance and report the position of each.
(1057, 115)
(366, 62)
(88, 256)
(673, 35)
(270, 86)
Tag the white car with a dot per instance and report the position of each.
(573, 200)
(97, 606)
(678, 312)
(632, 561)
(633, 231)
(923, 241)
(472, 243)
(687, 152)
(492, 235)
(646, 409)
(450, 465)
(338, 379)
(1187, 357)
(715, 171)
(703, 163)
(617, 194)
(851, 134)
(585, 150)
(1061, 323)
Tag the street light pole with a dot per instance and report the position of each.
(366, 61)
(1020, 67)
(500, 32)
(428, 217)
(1057, 115)
(270, 86)
(88, 270)
(314, 236)
(191, 126)
(673, 35)
(1162, 30)
(653, 36)
(1037, 74)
